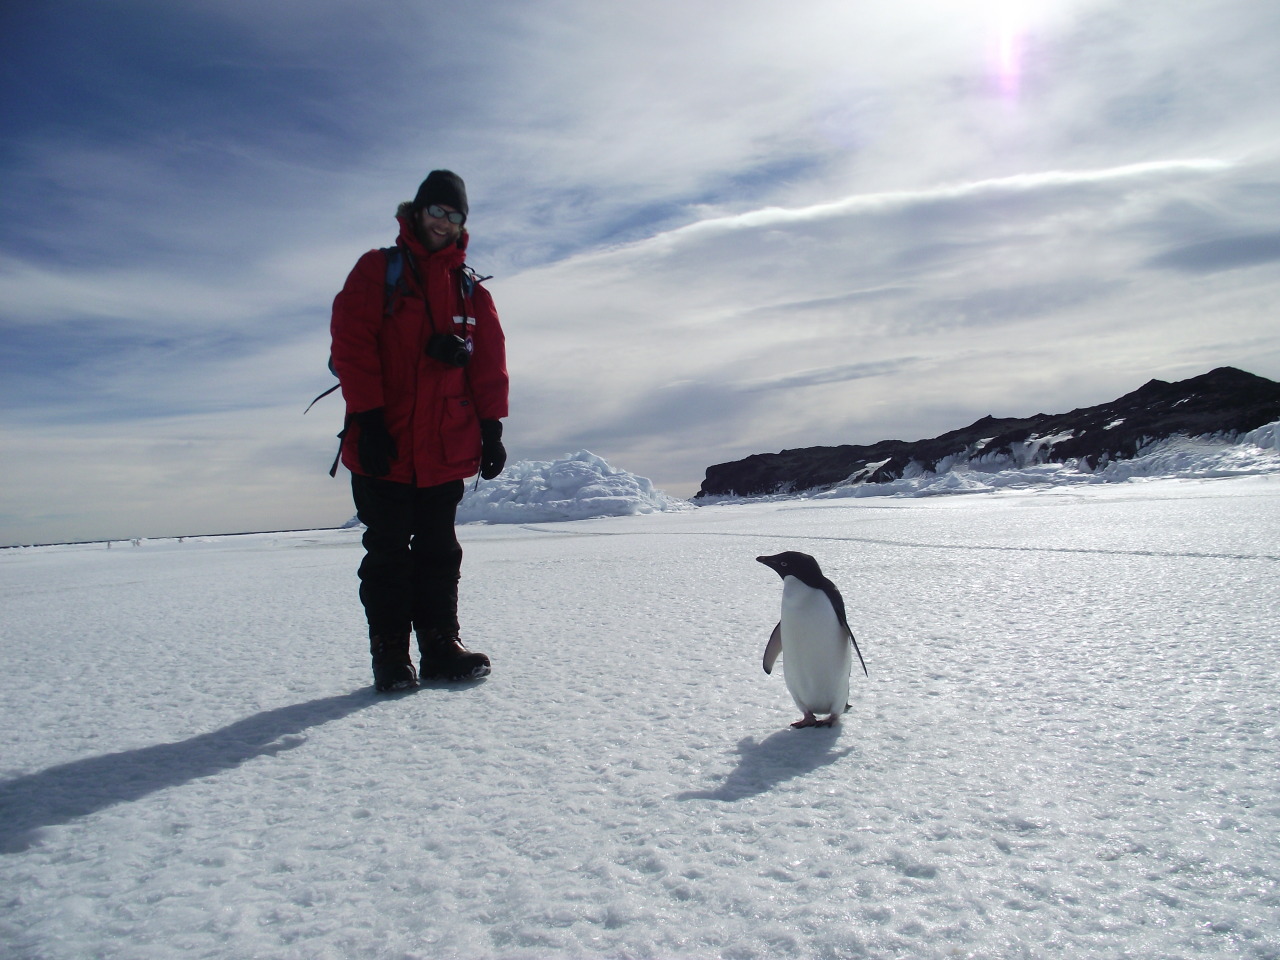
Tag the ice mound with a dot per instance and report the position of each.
(579, 487)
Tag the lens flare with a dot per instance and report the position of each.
(1009, 62)
(1008, 52)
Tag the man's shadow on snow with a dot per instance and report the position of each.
(63, 793)
(775, 759)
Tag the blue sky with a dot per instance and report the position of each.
(714, 229)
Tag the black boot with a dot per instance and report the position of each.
(445, 658)
(392, 667)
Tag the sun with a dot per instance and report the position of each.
(1008, 47)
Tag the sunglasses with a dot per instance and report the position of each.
(440, 213)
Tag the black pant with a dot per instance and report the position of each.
(409, 575)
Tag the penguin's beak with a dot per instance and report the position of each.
(773, 563)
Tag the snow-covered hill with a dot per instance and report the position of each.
(1257, 452)
(1225, 404)
(1254, 453)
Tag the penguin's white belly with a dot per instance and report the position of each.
(816, 653)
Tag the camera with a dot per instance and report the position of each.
(448, 348)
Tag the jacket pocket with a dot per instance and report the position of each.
(460, 432)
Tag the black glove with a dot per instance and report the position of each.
(375, 445)
(493, 455)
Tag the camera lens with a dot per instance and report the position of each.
(449, 349)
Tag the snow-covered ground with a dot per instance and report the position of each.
(1069, 744)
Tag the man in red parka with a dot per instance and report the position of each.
(423, 371)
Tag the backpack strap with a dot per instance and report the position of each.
(470, 279)
(394, 284)
(346, 424)
(323, 395)
(393, 287)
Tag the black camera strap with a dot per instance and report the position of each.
(467, 280)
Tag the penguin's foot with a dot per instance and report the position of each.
(809, 720)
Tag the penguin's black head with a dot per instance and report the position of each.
(794, 564)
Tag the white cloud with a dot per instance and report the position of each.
(899, 199)
(768, 325)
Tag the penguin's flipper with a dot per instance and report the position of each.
(854, 641)
(773, 649)
(837, 602)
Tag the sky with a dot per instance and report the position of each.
(713, 229)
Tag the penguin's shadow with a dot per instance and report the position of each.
(779, 757)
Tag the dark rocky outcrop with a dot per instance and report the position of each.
(1225, 401)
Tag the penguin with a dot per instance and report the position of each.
(813, 638)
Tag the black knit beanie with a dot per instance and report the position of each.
(442, 186)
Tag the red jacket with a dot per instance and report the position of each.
(433, 410)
